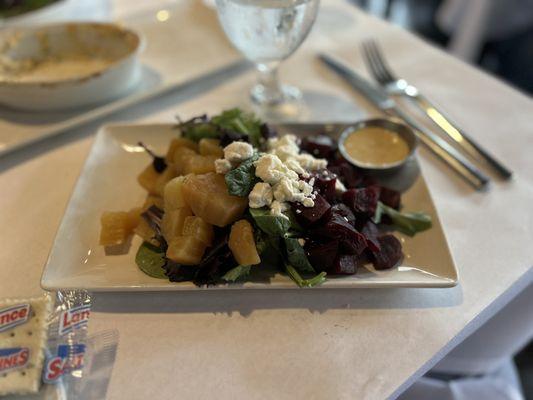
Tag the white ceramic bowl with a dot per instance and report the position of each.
(67, 65)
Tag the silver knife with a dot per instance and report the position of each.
(436, 144)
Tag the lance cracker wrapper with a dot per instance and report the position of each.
(23, 336)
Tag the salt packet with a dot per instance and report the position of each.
(67, 336)
(79, 365)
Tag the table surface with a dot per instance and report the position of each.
(336, 344)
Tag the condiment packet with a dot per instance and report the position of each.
(99, 360)
(79, 365)
(67, 336)
(23, 333)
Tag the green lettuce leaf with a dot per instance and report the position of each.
(241, 180)
(295, 226)
(408, 223)
(150, 260)
(237, 120)
(239, 272)
(268, 223)
(296, 256)
(301, 282)
(198, 131)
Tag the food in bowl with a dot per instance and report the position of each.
(67, 65)
(231, 197)
(378, 144)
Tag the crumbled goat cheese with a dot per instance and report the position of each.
(281, 168)
(238, 151)
(295, 166)
(234, 154)
(311, 163)
(260, 196)
(294, 191)
(339, 186)
(271, 169)
(222, 166)
(284, 190)
(284, 147)
(277, 208)
(306, 188)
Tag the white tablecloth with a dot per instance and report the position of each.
(342, 344)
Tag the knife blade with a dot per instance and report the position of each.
(438, 146)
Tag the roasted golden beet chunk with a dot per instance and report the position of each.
(197, 227)
(116, 227)
(210, 147)
(242, 243)
(179, 143)
(186, 250)
(172, 222)
(197, 164)
(148, 179)
(207, 196)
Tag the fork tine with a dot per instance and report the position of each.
(387, 71)
(380, 75)
(370, 62)
(378, 66)
(366, 59)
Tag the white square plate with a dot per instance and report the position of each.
(108, 182)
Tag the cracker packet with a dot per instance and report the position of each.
(45, 349)
(23, 336)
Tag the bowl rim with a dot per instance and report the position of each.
(138, 46)
(391, 124)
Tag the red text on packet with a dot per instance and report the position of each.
(14, 358)
(69, 358)
(13, 316)
(73, 318)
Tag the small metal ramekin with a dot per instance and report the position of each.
(404, 131)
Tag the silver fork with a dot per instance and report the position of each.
(380, 70)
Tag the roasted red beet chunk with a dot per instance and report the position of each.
(370, 230)
(345, 265)
(390, 197)
(362, 201)
(346, 172)
(343, 211)
(390, 253)
(309, 215)
(355, 244)
(336, 227)
(324, 183)
(320, 146)
(322, 255)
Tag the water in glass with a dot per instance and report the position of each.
(267, 32)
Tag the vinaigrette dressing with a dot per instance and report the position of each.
(376, 146)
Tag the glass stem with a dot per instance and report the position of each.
(268, 79)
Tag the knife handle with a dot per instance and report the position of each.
(459, 136)
(445, 152)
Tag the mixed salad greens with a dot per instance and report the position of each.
(232, 198)
(12, 8)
